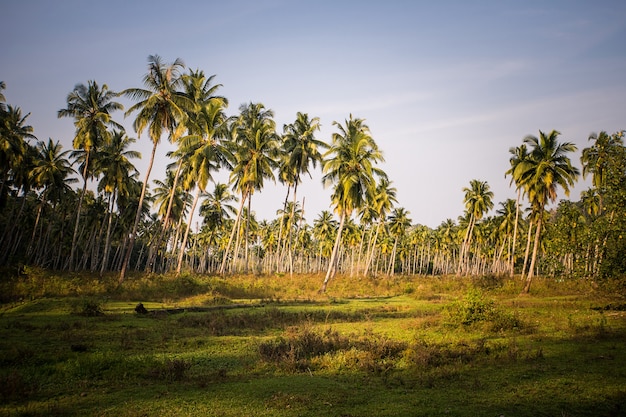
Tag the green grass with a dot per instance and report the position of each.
(272, 346)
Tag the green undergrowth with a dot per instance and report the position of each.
(274, 346)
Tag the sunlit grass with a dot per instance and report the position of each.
(273, 346)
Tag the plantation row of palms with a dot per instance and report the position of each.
(126, 225)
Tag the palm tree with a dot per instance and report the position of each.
(382, 201)
(207, 154)
(256, 149)
(478, 201)
(518, 154)
(546, 168)
(324, 231)
(161, 108)
(51, 172)
(114, 164)
(90, 106)
(300, 150)
(399, 222)
(13, 135)
(350, 167)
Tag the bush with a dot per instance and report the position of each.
(475, 308)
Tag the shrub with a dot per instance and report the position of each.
(475, 308)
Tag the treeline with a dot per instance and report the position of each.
(51, 219)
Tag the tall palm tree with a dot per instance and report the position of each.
(300, 150)
(478, 201)
(51, 172)
(200, 91)
(207, 154)
(349, 165)
(399, 222)
(382, 201)
(91, 107)
(13, 135)
(324, 231)
(161, 109)
(255, 155)
(518, 154)
(117, 169)
(546, 168)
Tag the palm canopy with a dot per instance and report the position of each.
(546, 168)
(350, 165)
(91, 107)
(256, 144)
(114, 163)
(300, 146)
(52, 169)
(596, 158)
(478, 199)
(160, 105)
(13, 133)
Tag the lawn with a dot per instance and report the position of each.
(273, 346)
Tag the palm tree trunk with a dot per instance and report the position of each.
(512, 254)
(534, 257)
(232, 233)
(80, 205)
(182, 246)
(527, 251)
(131, 242)
(330, 273)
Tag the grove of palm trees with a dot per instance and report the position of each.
(89, 209)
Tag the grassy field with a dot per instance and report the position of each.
(272, 346)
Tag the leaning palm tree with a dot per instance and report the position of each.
(90, 106)
(546, 168)
(349, 165)
(256, 149)
(161, 108)
(478, 201)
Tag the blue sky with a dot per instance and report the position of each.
(445, 87)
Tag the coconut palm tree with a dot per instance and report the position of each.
(349, 166)
(207, 154)
(116, 168)
(399, 222)
(382, 201)
(161, 108)
(478, 201)
(547, 168)
(255, 157)
(300, 150)
(91, 107)
(52, 173)
(13, 135)
(518, 154)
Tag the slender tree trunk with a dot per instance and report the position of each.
(371, 249)
(107, 240)
(80, 205)
(330, 273)
(534, 257)
(182, 246)
(512, 254)
(232, 233)
(527, 251)
(133, 234)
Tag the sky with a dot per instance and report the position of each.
(446, 87)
